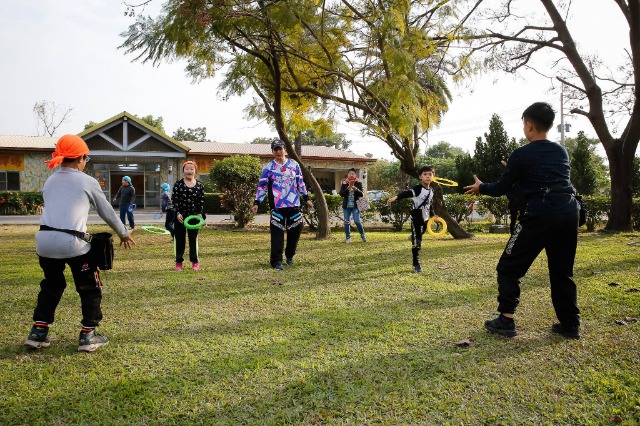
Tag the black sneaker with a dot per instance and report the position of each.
(568, 332)
(91, 341)
(38, 338)
(499, 326)
(290, 261)
(417, 268)
(278, 266)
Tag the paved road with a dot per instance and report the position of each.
(142, 217)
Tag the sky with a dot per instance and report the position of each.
(66, 52)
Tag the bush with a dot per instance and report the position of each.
(635, 214)
(396, 214)
(16, 202)
(497, 206)
(237, 177)
(597, 209)
(334, 204)
(459, 206)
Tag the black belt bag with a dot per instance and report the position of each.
(101, 245)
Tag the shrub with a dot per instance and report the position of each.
(16, 202)
(396, 214)
(635, 214)
(459, 206)
(237, 177)
(597, 209)
(497, 206)
(334, 204)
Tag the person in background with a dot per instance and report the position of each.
(350, 191)
(166, 205)
(548, 220)
(282, 181)
(68, 194)
(127, 196)
(188, 200)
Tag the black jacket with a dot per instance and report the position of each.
(358, 192)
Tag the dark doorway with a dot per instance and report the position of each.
(136, 180)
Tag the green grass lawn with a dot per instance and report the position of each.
(347, 336)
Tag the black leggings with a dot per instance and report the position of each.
(180, 242)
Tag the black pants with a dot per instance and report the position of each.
(180, 241)
(418, 228)
(88, 285)
(558, 236)
(289, 220)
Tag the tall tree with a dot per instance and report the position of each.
(199, 134)
(515, 39)
(583, 169)
(49, 117)
(384, 65)
(157, 122)
(443, 149)
(330, 139)
(496, 148)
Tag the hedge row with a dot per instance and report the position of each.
(458, 205)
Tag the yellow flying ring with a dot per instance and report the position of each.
(431, 222)
(197, 225)
(443, 181)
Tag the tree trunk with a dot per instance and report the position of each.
(440, 209)
(621, 170)
(324, 226)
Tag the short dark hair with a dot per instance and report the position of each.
(541, 115)
(352, 170)
(423, 169)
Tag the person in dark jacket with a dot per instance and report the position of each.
(549, 221)
(350, 191)
(127, 196)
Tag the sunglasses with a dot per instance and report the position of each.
(86, 158)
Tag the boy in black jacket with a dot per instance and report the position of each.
(549, 221)
(422, 195)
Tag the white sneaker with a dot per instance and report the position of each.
(348, 240)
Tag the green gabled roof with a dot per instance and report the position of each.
(137, 121)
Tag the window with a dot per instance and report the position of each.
(9, 181)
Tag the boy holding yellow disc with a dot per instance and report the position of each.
(422, 195)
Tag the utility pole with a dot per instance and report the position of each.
(562, 113)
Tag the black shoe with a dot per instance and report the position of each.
(417, 268)
(568, 332)
(37, 338)
(290, 261)
(502, 326)
(91, 341)
(278, 266)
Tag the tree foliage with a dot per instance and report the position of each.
(514, 41)
(383, 66)
(199, 134)
(489, 153)
(237, 177)
(583, 167)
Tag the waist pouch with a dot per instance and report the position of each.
(101, 245)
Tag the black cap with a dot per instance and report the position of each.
(277, 144)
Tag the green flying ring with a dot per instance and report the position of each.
(154, 230)
(196, 225)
